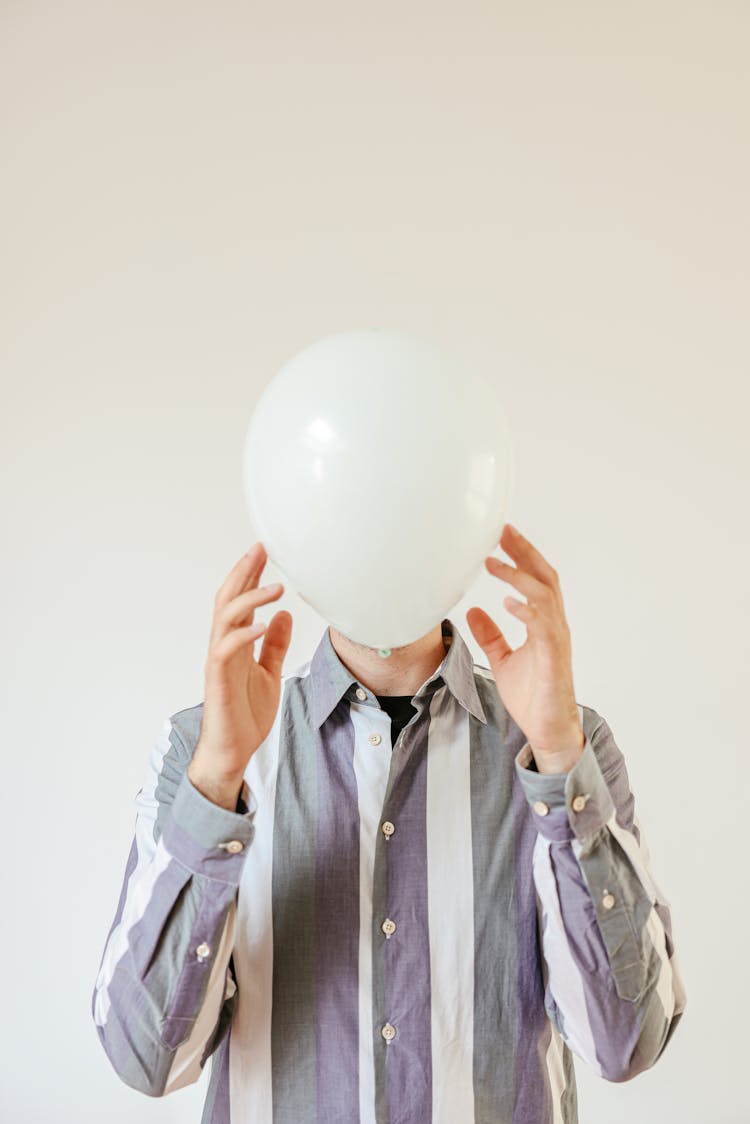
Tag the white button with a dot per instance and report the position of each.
(361, 694)
(388, 1032)
(375, 739)
(541, 808)
(388, 828)
(388, 926)
(203, 950)
(608, 900)
(234, 846)
(579, 803)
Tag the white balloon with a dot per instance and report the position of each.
(377, 470)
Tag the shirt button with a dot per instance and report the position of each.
(388, 1032)
(375, 739)
(541, 808)
(608, 900)
(234, 846)
(579, 803)
(388, 926)
(203, 950)
(388, 828)
(361, 694)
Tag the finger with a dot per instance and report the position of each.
(488, 636)
(240, 609)
(276, 642)
(245, 574)
(527, 613)
(525, 583)
(523, 552)
(235, 640)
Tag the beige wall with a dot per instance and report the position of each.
(193, 192)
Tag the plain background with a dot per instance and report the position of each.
(191, 193)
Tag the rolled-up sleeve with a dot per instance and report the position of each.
(613, 985)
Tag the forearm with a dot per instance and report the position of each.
(164, 976)
(614, 988)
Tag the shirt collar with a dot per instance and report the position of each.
(331, 679)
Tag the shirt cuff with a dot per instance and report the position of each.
(207, 838)
(566, 805)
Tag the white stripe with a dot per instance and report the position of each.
(152, 860)
(450, 910)
(250, 1073)
(566, 979)
(371, 768)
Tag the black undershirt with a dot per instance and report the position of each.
(400, 708)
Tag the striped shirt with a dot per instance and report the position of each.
(412, 934)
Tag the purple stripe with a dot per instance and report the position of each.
(407, 951)
(533, 1101)
(337, 927)
(144, 933)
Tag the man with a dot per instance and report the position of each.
(357, 926)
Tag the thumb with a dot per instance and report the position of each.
(489, 637)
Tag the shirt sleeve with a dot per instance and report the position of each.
(165, 992)
(613, 984)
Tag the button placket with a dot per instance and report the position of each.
(388, 927)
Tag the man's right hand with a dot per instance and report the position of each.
(241, 694)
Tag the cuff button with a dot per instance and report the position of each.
(541, 808)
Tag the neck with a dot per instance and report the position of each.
(401, 673)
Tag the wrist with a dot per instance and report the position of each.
(222, 791)
(560, 759)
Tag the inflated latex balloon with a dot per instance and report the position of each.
(377, 469)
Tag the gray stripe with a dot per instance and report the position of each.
(569, 1100)
(293, 1020)
(656, 1032)
(495, 934)
(337, 922)
(183, 737)
(216, 1104)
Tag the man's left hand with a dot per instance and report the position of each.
(535, 681)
